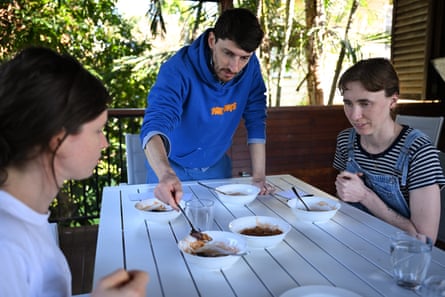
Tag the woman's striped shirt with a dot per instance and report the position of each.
(424, 166)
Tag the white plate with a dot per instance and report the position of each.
(318, 291)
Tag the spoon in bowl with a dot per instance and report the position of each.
(196, 233)
(301, 199)
(221, 192)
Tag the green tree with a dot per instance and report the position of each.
(300, 37)
(297, 40)
(102, 40)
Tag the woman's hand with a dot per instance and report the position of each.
(122, 283)
(350, 187)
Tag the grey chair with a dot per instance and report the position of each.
(431, 126)
(55, 232)
(441, 235)
(136, 170)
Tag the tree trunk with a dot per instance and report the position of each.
(225, 4)
(314, 23)
(290, 5)
(195, 32)
(341, 56)
(265, 49)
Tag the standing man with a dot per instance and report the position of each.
(196, 105)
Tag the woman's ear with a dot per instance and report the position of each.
(57, 140)
(393, 103)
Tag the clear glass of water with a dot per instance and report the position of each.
(200, 212)
(434, 286)
(410, 258)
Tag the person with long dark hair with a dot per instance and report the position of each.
(52, 113)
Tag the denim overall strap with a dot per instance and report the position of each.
(403, 160)
(350, 145)
(387, 187)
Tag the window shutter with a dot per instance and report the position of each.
(410, 52)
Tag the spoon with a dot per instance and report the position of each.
(301, 199)
(196, 233)
(219, 191)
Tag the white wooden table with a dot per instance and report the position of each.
(351, 251)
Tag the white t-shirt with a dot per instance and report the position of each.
(31, 263)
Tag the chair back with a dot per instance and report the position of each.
(431, 126)
(136, 170)
(55, 232)
(441, 235)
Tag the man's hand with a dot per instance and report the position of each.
(169, 190)
(265, 188)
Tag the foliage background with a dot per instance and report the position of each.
(101, 39)
(127, 58)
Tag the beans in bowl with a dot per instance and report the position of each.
(261, 230)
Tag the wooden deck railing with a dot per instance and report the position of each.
(300, 141)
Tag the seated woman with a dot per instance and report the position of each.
(389, 170)
(52, 113)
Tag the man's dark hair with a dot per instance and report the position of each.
(241, 26)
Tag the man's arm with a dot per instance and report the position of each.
(258, 159)
(169, 189)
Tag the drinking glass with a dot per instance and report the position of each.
(410, 258)
(200, 212)
(434, 286)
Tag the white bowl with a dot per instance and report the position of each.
(155, 210)
(263, 241)
(322, 209)
(228, 240)
(247, 193)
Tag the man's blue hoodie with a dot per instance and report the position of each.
(196, 114)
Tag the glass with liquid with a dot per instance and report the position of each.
(410, 258)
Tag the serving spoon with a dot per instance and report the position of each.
(301, 199)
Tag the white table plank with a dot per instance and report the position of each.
(110, 254)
